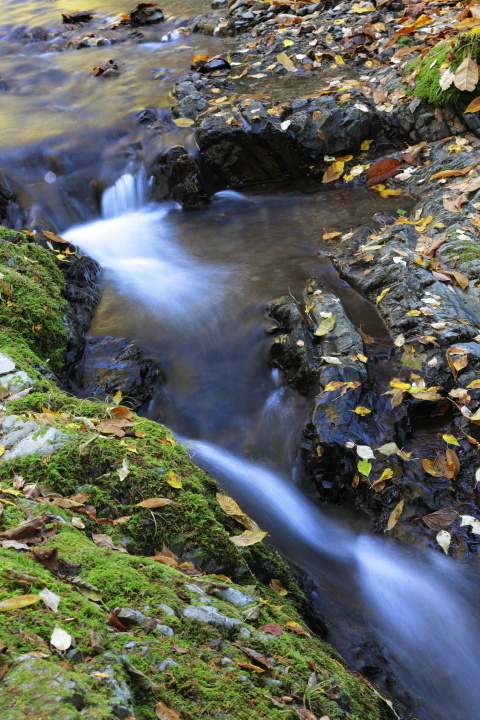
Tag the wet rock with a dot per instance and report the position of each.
(177, 174)
(145, 14)
(80, 16)
(190, 106)
(110, 365)
(219, 4)
(236, 597)
(7, 366)
(6, 196)
(210, 616)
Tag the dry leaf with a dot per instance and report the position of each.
(466, 76)
(51, 600)
(444, 539)
(333, 172)
(173, 479)
(165, 713)
(249, 537)
(278, 587)
(284, 60)
(60, 639)
(395, 515)
(124, 470)
(19, 601)
(440, 519)
(156, 503)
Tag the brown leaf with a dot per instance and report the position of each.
(271, 629)
(248, 666)
(156, 503)
(47, 557)
(452, 459)
(473, 107)
(395, 515)
(426, 246)
(113, 620)
(456, 203)
(333, 172)
(178, 649)
(106, 427)
(165, 713)
(278, 587)
(254, 655)
(122, 412)
(440, 519)
(55, 238)
(451, 173)
(440, 467)
(383, 170)
(466, 76)
(104, 541)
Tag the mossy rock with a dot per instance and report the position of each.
(427, 79)
(195, 686)
(31, 302)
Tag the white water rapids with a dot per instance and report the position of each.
(419, 605)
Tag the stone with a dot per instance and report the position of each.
(28, 438)
(225, 661)
(130, 616)
(120, 698)
(236, 597)
(245, 633)
(165, 630)
(210, 616)
(16, 382)
(6, 365)
(167, 610)
(165, 664)
(177, 175)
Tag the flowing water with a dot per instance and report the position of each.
(191, 290)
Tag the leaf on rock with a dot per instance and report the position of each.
(231, 508)
(333, 172)
(473, 107)
(18, 601)
(55, 238)
(382, 295)
(326, 325)
(440, 519)
(249, 537)
(472, 521)
(444, 539)
(450, 439)
(365, 452)
(379, 484)
(364, 467)
(284, 60)
(183, 122)
(383, 170)
(360, 410)
(60, 639)
(395, 515)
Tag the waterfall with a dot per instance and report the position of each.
(127, 195)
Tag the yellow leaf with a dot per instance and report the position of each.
(309, 307)
(382, 295)
(278, 587)
(334, 172)
(184, 122)
(284, 60)
(474, 385)
(155, 503)
(173, 479)
(360, 9)
(450, 439)
(339, 60)
(395, 515)
(362, 410)
(249, 537)
(288, 43)
(379, 484)
(473, 107)
(330, 236)
(399, 385)
(117, 398)
(415, 313)
(362, 358)
(325, 326)
(366, 144)
(387, 193)
(19, 601)
(2, 450)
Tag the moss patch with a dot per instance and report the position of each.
(427, 87)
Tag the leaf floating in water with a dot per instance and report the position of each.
(395, 515)
(444, 539)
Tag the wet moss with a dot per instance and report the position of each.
(427, 69)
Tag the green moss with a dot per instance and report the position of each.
(31, 302)
(427, 87)
(196, 687)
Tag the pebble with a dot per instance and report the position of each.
(236, 597)
(165, 630)
(210, 616)
(165, 664)
(167, 610)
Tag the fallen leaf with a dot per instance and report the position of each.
(395, 515)
(249, 537)
(440, 519)
(104, 541)
(382, 295)
(278, 587)
(156, 503)
(364, 467)
(51, 600)
(183, 122)
(472, 521)
(271, 629)
(360, 410)
(18, 601)
(124, 470)
(326, 325)
(466, 75)
(333, 172)
(379, 484)
(451, 439)
(120, 411)
(86, 589)
(60, 639)
(284, 60)
(163, 712)
(248, 666)
(444, 539)
(365, 452)
(173, 479)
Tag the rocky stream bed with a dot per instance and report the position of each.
(131, 585)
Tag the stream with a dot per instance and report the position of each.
(191, 288)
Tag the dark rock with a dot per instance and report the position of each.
(6, 195)
(190, 106)
(112, 364)
(176, 171)
(146, 14)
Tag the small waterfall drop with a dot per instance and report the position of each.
(127, 195)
